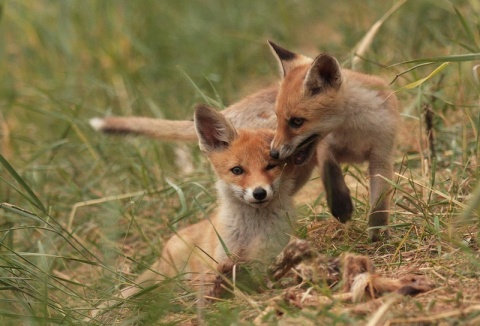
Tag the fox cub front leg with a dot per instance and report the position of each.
(337, 193)
(339, 200)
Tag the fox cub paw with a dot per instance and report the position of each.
(342, 207)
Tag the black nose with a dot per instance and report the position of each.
(259, 193)
(274, 154)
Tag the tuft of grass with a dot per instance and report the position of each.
(81, 214)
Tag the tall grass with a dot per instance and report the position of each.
(82, 213)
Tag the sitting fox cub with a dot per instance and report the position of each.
(255, 213)
(344, 116)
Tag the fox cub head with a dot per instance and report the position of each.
(307, 103)
(241, 159)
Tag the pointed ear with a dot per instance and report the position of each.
(214, 131)
(287, 59)
(325, 72)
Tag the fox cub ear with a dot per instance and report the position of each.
(324, 73)
(287, 59)
(214, 131)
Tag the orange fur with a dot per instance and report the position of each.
(255, 213)
(350, 117)
(354, 114)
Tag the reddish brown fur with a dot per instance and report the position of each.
(357, 120)
(251, 229)
(356, 116)
(240, 153)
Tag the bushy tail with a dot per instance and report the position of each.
(180, 130)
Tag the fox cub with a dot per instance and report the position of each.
(319, 109)
(354, 114)
(254, 219)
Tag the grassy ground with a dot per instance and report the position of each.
(83, 213)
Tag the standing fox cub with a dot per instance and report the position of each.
(345, 116)
(355, 115)
(254, 219)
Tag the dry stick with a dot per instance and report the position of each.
(367, 40)
(377, 317)
(104, 200)
(428, 187)
(428, 113)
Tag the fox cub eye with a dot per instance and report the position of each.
(237, 170)
(271, 166)
(296, 122)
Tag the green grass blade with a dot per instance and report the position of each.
(205, 97)
(446, 58)
(181, 195)
(421, 81)
(21, 212)
(16, 176)
(466, 28)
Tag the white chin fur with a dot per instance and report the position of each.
(259, 204)
(97, 123)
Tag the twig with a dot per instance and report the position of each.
(428, 113)
(380, 313)
(367, 40)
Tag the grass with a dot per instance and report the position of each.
(83, 213)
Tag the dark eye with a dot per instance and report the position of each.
(237, 170)
(271, 166)
(296, 122)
